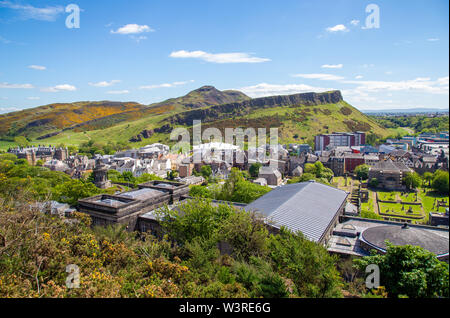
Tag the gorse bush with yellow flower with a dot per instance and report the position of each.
(36, 248)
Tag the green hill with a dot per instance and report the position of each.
(299, 117)
(50, 120)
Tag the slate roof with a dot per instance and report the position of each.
(391, 166)
(308, 207)
(268, 170)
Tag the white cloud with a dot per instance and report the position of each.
(37, 67)
(265, 89)
(358, 76)
(8, 85)
(337, 28)
(119, 92)
(419, 84)
(323, 77)
(443, 81)
(433, 39)
(165, 85)
(105, 83)
(332, 66)
(29, 12)
(219, 57)
(33, 98)
(58, 88)
(133, 29)
(354, 22)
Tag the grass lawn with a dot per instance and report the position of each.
(428, 199)
(4, 145)
(408, 197)
(368, 206)
(387, 196)
(396, 208)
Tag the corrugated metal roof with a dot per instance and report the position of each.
(307, 207)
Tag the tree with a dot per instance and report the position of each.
(127, 176)
(412, 180)
(362, 172)
(318, 171)
(246, 233)
(237, 189)
(194, 218)
(440, 182)
(372, 139)
(206, 171)
(172, 174)
(373, 183)
(254, 169)
(71, 191)
(428, 177)
(309, 265)
(21, 141)
(409, 270)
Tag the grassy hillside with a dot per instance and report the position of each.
(299, 117)
(296, 122)
(51, 120)
(34, 122)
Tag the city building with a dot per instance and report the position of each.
(308, 207)
(322, 142)
(389, 174)
(357, 237)
(271, 174)
(33, 154)
(126, 207)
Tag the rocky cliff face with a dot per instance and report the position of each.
(245, 107)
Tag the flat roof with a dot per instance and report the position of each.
(360, 225)
(142, 194)
(111, 202)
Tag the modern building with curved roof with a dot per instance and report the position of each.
(376, 238)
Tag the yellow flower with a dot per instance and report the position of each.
(46, 236)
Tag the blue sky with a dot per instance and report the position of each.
(148, 51)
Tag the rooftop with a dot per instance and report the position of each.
(301, 207)
(142, 194)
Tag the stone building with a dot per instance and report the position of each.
(389, 175)
(44, 153)
(125, 208)
(272, 175)
(101, 175)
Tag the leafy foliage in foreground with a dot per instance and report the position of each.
(36, 248)
(410, 271)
